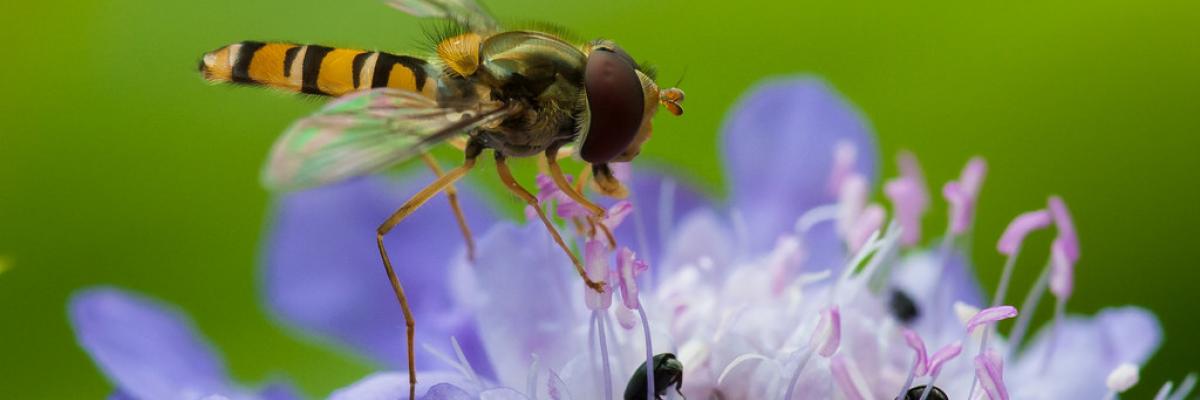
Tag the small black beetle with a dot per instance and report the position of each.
(667, 371)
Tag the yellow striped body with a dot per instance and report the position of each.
(316, 69)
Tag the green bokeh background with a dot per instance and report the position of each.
(118, 165)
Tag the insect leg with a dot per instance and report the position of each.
(585, 175)
(512, 185)
(404, 211)
(596, 224)
(560, 180)
(452, 196)
(576, 192)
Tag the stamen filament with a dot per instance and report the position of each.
(607, 382)
(997, 299)
(944, 250)
(1185, 387)
(929, 386)
(848, 378)
(532, 377)
(592, 345)
(920, 363)
(791, 389)
(1060, 306)
(912, 374)
(462, 358)
(649, 353)
(1028, 308)
(1164, 391)
(816, 215)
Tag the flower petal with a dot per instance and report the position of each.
(779, 144)
(147, 349)
(323, 273)
(1087, 349)
(556, 388)
(917, 275)
(660, 202)
(394, 385)
(501, 394)
(279, 391)
(702, 238)
(522, 291)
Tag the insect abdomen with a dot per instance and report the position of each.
(314, 69)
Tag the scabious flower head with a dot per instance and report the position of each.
(797, 287)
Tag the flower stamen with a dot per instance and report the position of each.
(936, 361)
(848, 378)
(920, 360)
(989, 371)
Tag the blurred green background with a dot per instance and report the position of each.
(118, 165)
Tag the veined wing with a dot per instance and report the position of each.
(466, 12)
(363, 133)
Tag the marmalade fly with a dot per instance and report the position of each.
(519, 93)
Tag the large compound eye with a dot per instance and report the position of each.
(615, 102)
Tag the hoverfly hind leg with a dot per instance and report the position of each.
(452, 197)
(413, 203)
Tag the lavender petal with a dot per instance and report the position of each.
(323, 273)
(779, 142)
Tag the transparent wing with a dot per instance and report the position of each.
(466, 12)
(363, 133)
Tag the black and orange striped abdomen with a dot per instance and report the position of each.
(314, 69)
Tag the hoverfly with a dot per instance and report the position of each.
(520, 93)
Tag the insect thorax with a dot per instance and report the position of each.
(539, 75)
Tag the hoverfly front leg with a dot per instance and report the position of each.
(452, 196)
(413, 203)
(512, 185)
(585, 175)
(560, 180)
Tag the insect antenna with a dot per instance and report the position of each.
(681, 76)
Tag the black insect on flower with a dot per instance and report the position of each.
(667, 372)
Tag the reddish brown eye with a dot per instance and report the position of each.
(616, 103)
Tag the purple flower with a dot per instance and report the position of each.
(797, 283)
(150, 351)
